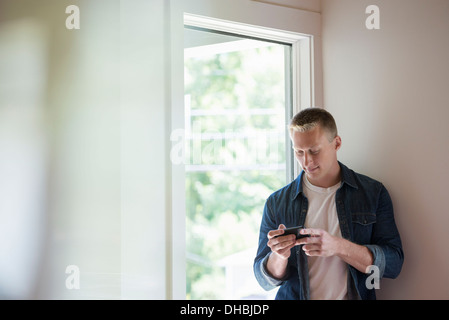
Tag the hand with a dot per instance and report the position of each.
(320, 243)
(281, 245)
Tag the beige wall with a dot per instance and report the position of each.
(388, 90)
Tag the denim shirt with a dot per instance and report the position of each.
(365, 214)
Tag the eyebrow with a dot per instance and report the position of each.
(312, 147)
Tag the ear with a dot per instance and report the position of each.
(337, 143)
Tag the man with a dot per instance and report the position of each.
(348, 216)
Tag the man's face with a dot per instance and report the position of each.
(317, 156)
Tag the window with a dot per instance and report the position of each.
(222, 151)
(237, 100)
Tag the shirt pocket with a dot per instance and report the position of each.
(362, 226)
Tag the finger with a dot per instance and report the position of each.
(313, 253)
(284, 246)
(285, 250)
(311, 231)
(301, 241)
(282, 242)
(274, 233)
(309, 240)
(312, 249)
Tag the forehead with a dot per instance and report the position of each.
(308, 139)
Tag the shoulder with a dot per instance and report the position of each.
(365, 189)
(287, 192)
(366, 180)
(359, 180)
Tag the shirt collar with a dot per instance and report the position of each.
(347, 177)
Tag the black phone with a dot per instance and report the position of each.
(295, 231)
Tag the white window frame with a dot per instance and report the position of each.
(248, 18)
(302, 51)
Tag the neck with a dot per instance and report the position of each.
(329, 180)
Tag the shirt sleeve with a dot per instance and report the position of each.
(378, 257)
(261, 273)
(386, 245)
(270, 279)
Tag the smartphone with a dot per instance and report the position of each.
(295, 231)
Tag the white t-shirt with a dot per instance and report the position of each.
(327, 275)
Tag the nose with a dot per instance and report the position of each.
(307, 159)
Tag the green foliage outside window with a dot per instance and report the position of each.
(241, 130)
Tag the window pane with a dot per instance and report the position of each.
(235, 157)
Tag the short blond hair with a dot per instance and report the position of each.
(309, 118)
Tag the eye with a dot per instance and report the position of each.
(314, 152)
(299, 152)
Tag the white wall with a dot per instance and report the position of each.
(388, 90)
(83, 115)
(145, 164)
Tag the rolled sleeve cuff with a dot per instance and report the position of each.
(378, 257)
(274, 282)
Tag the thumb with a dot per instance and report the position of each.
(281, 226)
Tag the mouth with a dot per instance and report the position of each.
(312, 170)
